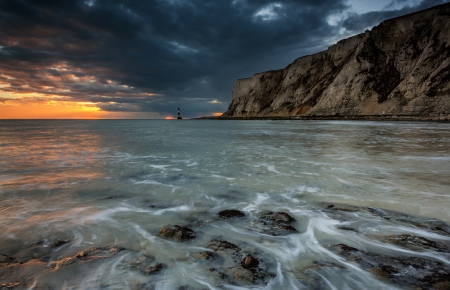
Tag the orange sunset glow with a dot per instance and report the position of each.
(36, 106)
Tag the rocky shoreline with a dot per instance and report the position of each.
(413, 265)
(337, 117)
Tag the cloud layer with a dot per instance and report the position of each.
(154, 56)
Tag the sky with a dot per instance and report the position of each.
(134, 59)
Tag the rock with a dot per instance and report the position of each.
(242, 274)
(237, 263)
(5, 259)
(415, 243)
(85, 255)
(442, 285)
(343, 212)
(205, 255)
(10, 285)
(230, 213)
(399, 68)
(58, 243)
(275, 223)
(410, 272)
(176, 232)
(344, 228)
(223, 247)
(153, 269)
(381, 272)
(250, 262)
(278, 217)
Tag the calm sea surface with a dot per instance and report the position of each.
(69, 186)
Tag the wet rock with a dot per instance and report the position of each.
(382, 272)
(415, 272)
(245, 266)
(154, 269)
(343, 212)
(242, 274)
(11, 285)
(58, 243)
(415, 243)
(115, 250)
(223, 247)
(34, 251)
(231, 213)
(145, 264)
(322, 264)
(176, 232)
(250, 262)
(342, 207)
(278, 217)
(275, 223)
(344, 228)
(38, 250)
(86, 255)
(205, 255)
(442, 286)
(221, 275)
(6, 259)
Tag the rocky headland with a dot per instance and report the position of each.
(400, 70)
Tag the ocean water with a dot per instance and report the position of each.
(71, 186)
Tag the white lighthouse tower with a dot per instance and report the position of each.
(179, 116)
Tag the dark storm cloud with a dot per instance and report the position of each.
(136, 56)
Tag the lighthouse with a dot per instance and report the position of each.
(179, 116)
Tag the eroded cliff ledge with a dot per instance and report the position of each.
(401, 67)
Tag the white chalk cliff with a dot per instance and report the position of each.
(400, 67)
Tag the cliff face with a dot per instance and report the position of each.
(401, 67)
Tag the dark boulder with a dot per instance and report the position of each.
(176, 232)
(275, 223)
(231, 213)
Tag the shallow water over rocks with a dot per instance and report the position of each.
(224, 205)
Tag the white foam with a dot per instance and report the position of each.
(150, 181)
(220, 176)
(260, 199)
(173, 209)
(146, 235)
(159, 166)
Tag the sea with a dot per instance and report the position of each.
(314, 204)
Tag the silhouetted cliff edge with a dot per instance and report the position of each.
(399, 68)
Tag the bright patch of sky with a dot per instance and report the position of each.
(335, 19)
(268, 12)
(182, 48)
(364, 6)
(89, 2)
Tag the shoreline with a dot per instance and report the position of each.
(341, 118)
